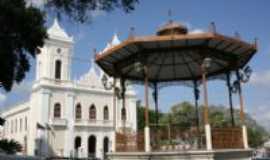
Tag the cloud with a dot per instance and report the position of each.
(261, 79)
(192, 29)
(262, 115)
(36, 3)
(2, 98)
(22, 88)
(195, 31)
(97, 13)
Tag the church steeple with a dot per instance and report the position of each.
(54, 62)
(56, 32)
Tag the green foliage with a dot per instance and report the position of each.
(152, 117)
(80, 10)
(22, 31)
(184, 115)
(10, 146)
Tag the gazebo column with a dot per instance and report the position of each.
(124, 106)
(242, 114)
(207, 126)
(229, 86)
(147, 146)
(196, 98)
(155, 96)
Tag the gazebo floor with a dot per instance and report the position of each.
(222, 154)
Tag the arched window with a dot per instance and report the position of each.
(78, 111)
(92, 112)
(106, 113)
(123, 114)
(58, 66)
(57, 110)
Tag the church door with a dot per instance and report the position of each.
(105, 146)
(92, 146)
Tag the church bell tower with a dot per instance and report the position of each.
(54, 61)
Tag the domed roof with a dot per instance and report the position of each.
(172, 28)
(56, 32)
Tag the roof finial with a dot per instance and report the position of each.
(170, 15)
(212, 27)
(131, 32)
(237, 35)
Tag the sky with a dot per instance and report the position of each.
(250, 18)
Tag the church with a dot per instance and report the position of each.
(65, 117)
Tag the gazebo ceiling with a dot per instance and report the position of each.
(175, 57)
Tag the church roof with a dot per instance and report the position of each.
(56, 32)
(115, 41)
(91, 78)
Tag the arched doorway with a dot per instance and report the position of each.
(92, 146)
(77, 145)
(105, 146)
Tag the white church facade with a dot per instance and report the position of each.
(65, 117)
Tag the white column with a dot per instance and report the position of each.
(113, 141)
(69, 112)
(245, 137)
(147, 139)
(99, 145)
(84, 146)
(208, 137)
(44, 113)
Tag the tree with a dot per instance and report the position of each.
(141, 120)
(23, 30)
(10, 146)
(80, 10)
(184, 115)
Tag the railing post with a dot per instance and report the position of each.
(147, 146)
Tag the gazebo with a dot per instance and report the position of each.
(175, 56)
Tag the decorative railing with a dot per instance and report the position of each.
(174, 138)
(227, 138)
(130, 142)
(93, 123)
(59, 122)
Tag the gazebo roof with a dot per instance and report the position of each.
(175, 57)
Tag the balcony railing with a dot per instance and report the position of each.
(176, 138)
(130, 142)
(93, 123)
(59, 122)
(224, 138)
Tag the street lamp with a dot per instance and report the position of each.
(206, 64)
(204, 67)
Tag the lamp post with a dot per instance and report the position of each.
(109, 86)
(204, 67)
(242, 77)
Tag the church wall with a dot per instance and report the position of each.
(17, 124)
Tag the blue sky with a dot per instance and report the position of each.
(250, 18)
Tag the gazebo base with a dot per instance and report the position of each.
(224, 154)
